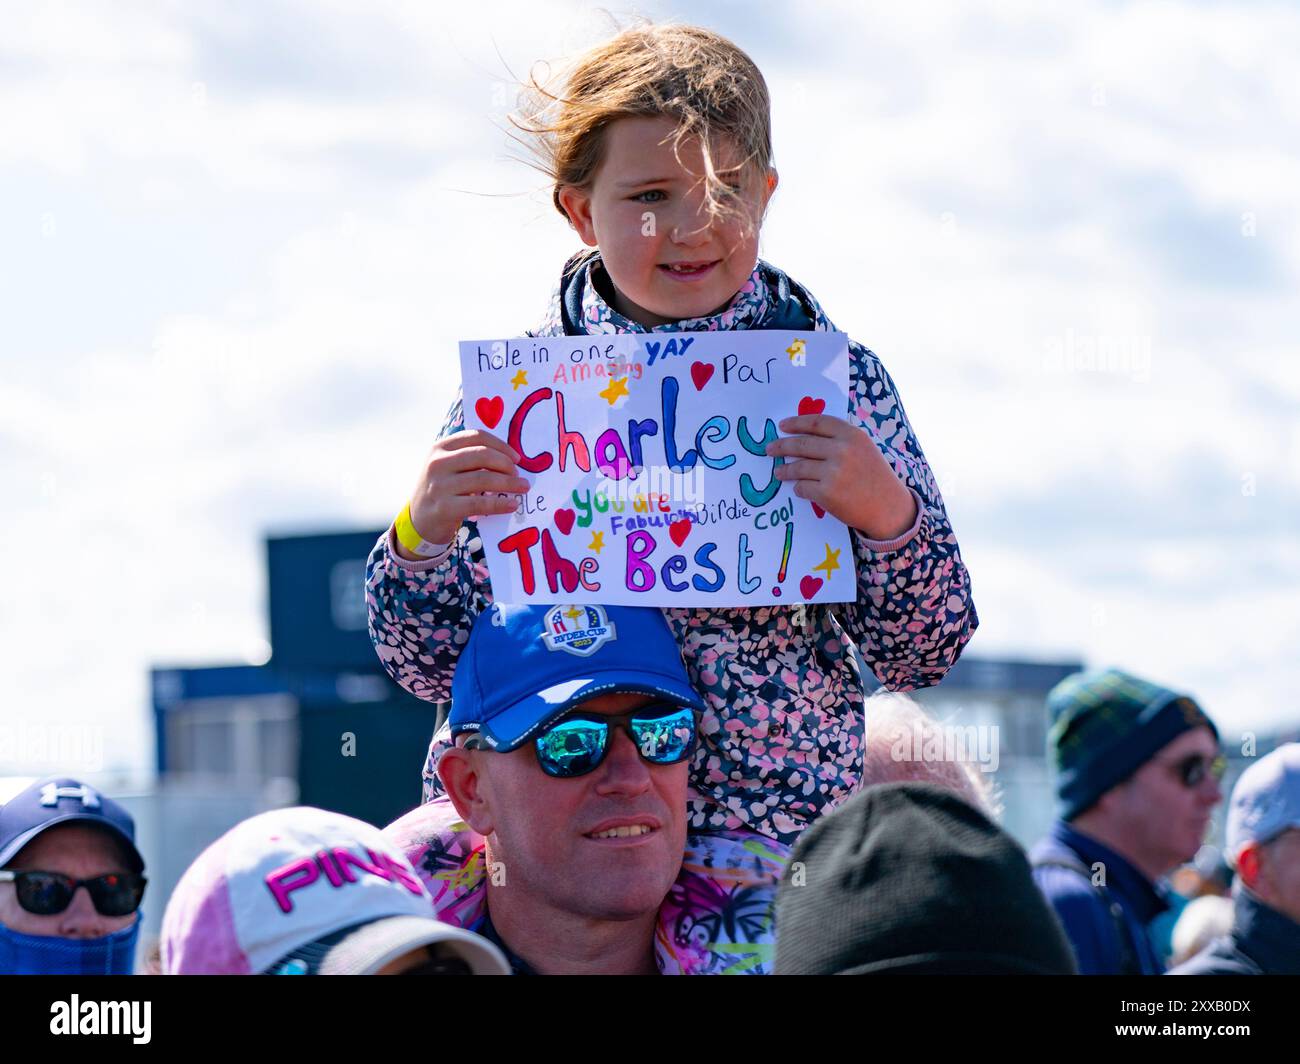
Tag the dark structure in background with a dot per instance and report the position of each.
(321, 723)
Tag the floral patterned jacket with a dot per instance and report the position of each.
(782, 741)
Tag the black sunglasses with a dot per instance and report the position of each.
(664, 734)
(48, 893)
(1192, 769)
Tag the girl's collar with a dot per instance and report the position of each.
(746, 309)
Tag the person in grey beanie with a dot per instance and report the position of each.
(909, 878)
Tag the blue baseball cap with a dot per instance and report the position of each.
(54, 801)
(1266, 800)
(526, 666)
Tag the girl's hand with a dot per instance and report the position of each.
(461, 479)
(837, 465)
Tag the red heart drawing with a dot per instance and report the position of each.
(564, 520)
(489, 411)
(809, 586)
(701, 374)
(809, 405)
(818, 510)
(679, 530)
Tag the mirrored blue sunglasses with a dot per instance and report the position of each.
(664, 734)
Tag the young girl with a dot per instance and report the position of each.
(660, 152)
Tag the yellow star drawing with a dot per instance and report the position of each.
(796, 353)
(597, 542)
(617, 387)
(573, 613)
(831, 563)
(518, 380)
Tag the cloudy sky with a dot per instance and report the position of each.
(238, 244)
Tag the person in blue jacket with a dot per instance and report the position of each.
(1137, 771)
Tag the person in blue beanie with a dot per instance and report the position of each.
(1137, 775)
(71, 882)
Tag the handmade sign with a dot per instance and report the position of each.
(651, 485)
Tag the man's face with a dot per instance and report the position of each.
(1165, 819)
(76, 850)
(548, 834)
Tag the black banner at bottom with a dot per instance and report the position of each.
(261, 1013)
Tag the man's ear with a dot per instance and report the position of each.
(577, 205)
(459, 771)
(1248, 867)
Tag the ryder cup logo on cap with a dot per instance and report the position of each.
(580, 630)
(525, 666)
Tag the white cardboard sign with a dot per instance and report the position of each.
(649, 481)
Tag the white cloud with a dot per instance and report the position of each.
(263, 259)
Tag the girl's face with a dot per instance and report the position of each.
(646, 212)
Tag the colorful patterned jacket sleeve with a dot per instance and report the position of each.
(420, 613)
(914, 611)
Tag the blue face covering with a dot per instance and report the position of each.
(50, 955)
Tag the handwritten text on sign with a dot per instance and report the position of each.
(650, 481)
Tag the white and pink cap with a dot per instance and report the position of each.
(282, 880)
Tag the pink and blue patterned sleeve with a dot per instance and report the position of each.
(914, 611)
(420, 613)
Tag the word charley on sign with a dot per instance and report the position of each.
(650, 481)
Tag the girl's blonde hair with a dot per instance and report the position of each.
(711, 87)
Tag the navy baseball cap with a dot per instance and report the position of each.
(527, 665)
(54, 801)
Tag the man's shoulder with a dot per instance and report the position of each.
(1056, 865)
(719, 916)
(1081, 904)
(1066, 881)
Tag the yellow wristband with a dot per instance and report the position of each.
(409, 538)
